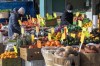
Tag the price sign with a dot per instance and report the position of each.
(52, 30)
(15, 49)
(32, 38)
(20, 23)
(82, 37)
(63, 36)
(37, 29)
(79, 23)
(73, 35)
(22, 30)
(55, 15)
(49, 36)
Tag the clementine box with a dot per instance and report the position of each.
(10, 62)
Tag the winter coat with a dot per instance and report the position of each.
(67, 18)
(13, 26)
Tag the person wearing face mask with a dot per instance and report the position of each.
(67, 16)
(13, 26)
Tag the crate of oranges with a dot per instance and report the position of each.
(9, 59)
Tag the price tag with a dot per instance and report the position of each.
(20, 23)
(37, 29)
(22, 30)
(32, 38)
(52, 30)
(77, 14)
(15, 49)
(82, 38)
(65, 30)
(73, 35)
(83, 15)
(47, 15)
(42, 22)
(37, 16)
(79, 23)
(49, 36)
(63, 36)
(55, 15)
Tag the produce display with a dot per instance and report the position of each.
(56, 42)
(6, 55)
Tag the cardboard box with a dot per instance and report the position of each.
(31, 54)
(10, 62)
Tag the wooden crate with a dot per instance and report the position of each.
(52, 22)
(31, 54)
(89, 59)
(10, 62)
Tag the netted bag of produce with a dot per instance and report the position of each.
(47, 53)
(66, 57)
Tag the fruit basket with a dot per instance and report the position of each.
(66, 61)
(47, 53)
(90, 59)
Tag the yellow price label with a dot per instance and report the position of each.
(63, 36)
(73, 35)
(37, 16)
(79, 23)
(42, 21)
(77, 14)
(15, 49)
(47, 15)
(32, 37)
(22, 30)
(37, 29)
(20, 23)
(55, 15)
(52, 30)
(49, 36)
(82, 38)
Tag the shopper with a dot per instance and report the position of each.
(67, 16)
(13, 26)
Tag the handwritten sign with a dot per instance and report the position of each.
(79, 23)
(82, 37)
(52, 30)
(73, 35)
(22, 30)
(20, 23)
(32, 38)
(15, 49)
(37, 29)
(63, 36)
(49, 36)
(55, 15)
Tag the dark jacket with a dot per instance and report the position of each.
(13, 26)
(67, 18)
